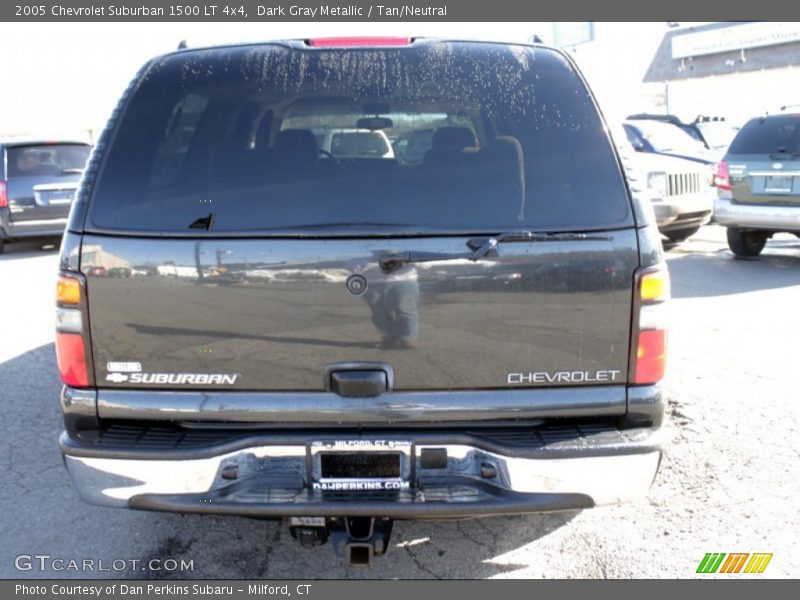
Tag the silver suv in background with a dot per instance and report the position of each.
(758, 183)
(680, 191)
(38, 180)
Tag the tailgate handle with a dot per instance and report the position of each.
(359, 384)
(361, 379)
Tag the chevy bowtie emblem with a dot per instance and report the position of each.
(116, 377)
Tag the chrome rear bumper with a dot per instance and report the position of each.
(39, 228)
(775, 218)
(275, 480)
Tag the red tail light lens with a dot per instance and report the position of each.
(71, 335)
(71, 355)
(3, 195)
(338, 42)
(723, 179)
(651, 356)
(649, 345)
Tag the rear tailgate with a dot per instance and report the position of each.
(278, 312)
(755, 180)
(220, 242)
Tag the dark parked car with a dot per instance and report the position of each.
(691, 128)
(668, 139)
(478, 333)
(715, 133)
(758, 183)
(38, 180)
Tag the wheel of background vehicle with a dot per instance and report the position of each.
(746, 243)
(2, 246)
(680, 235)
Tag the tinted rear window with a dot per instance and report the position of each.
(38, 160)
(768, 136)
(489, 138)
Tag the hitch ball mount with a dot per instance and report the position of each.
(356, 539)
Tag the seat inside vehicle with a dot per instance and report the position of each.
(295, 152)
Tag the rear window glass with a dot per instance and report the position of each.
(768, 136)
(45, 160)
(444, 137)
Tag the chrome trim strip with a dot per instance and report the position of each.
(60, 222)
(78, 402)
(775, 173)
(330, 408)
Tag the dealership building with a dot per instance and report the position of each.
(732, 70)
(735, 70)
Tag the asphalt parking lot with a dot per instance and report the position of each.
(728, 481)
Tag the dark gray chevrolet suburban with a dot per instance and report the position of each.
(251, 325)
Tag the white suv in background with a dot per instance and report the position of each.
(354, 143)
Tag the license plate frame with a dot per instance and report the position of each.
(54, 197)
(321, 481)
(782, 184)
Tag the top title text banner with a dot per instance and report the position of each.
(387, 10)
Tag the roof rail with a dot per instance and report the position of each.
(709, 118)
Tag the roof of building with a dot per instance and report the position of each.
(666, 68)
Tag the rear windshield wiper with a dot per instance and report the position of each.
(203, 222)
(480, 248)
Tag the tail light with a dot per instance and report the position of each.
(3, 195)
(71, 335)
(339, 42)
(649, 342)
(723, 178)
